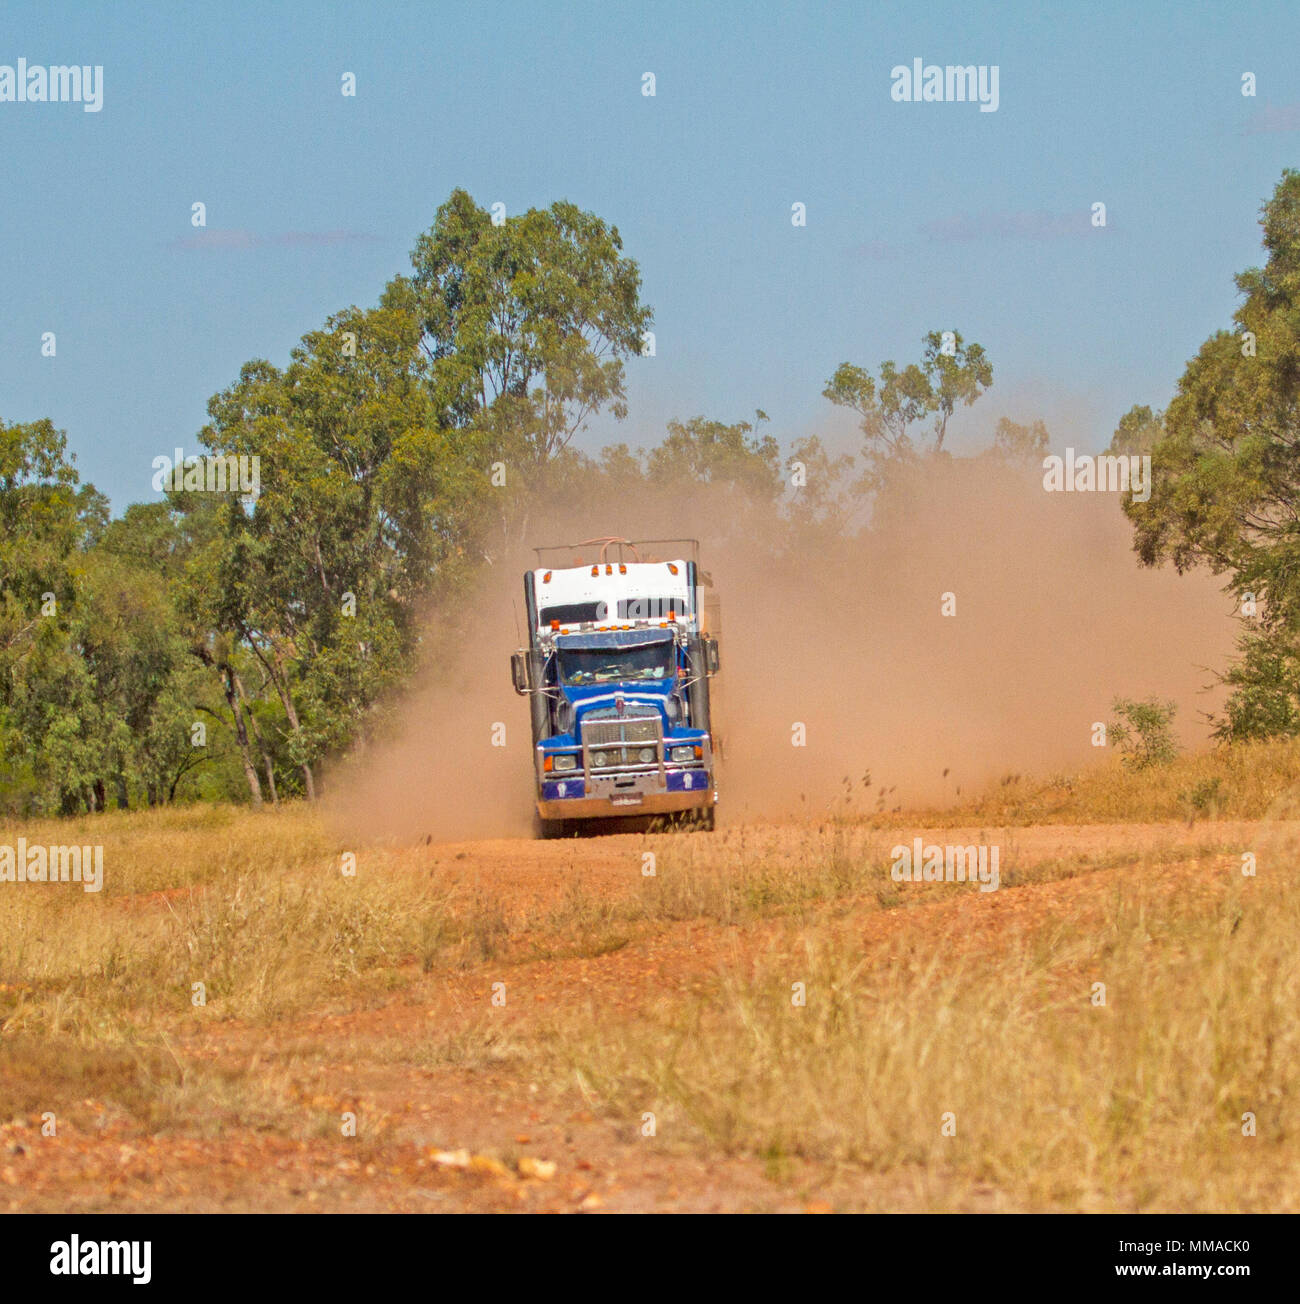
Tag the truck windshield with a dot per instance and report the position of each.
(614, 665)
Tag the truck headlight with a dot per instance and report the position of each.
(599, 758)
(646, 755)
(682, 755)
(566, 761)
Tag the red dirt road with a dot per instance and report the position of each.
(438, 1129)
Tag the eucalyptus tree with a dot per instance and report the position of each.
(1225, 462)
(527, 321)
(950, 373)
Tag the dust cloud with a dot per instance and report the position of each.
(841, 632)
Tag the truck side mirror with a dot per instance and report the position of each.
(711, 655)
(519, 672)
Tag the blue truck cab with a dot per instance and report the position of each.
(617, 672)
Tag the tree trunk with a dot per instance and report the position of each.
(261, 745)
(291, 712)
(227, 676)
(241, 734)
(275, 673)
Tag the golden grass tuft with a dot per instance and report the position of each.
(1057, 1103)
(1237, 782)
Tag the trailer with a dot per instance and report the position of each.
(622, 650)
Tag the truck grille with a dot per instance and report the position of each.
(609, 733)
(621, 739)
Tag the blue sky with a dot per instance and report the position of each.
(919, 216)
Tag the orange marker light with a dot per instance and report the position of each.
(547, 763)
(546, 579)
(672, 570)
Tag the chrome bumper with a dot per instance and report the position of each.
(654, 803)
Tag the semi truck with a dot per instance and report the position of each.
(622, 650)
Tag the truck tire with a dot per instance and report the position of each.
(698, 821)
(685, 821)
(545, 830)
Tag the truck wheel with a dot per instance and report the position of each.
(545, 830)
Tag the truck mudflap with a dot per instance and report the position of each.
(636, 795)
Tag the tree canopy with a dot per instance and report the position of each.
(1225, 460)
(226, 641)
(950, 373)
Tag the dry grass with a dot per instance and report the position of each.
(1057, 1103)
(1239, 782)
(253, 906)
